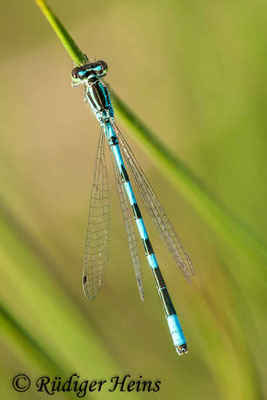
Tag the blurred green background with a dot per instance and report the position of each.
(195, 72)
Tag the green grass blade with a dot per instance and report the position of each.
(23, 339)
(39, 320)
(67, 41)
(219, 218)
(225, 223)
(34, 295)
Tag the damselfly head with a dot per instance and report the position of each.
(101, 67)
(74, 73)
(90, 71)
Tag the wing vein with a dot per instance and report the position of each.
(98, 229)
(129, 226)
(156, 211)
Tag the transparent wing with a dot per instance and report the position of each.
(156, 211)
(129, 226)
(98, 230)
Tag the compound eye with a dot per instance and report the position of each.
(104, 67)
(74, 73)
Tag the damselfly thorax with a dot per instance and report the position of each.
(96, 93)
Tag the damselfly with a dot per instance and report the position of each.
(98, 232)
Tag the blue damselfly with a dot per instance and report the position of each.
(98, 233)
